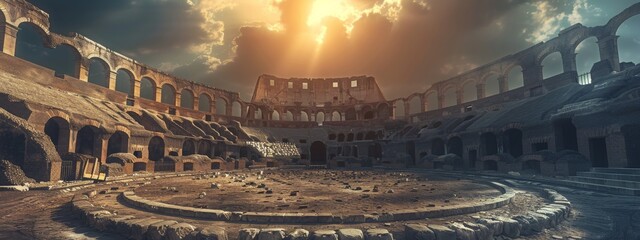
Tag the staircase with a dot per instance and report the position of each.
(620, 181)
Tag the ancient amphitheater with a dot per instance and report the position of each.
(535, 158)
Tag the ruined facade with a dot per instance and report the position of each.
(554, 125)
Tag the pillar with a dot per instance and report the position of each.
(503, 83)
(112, 80)
(8, 40)
(407, 109)
(423, 103)
(213, 110)
(440, 100)
(135, 88)
(178, 98)
(83, 74)
(480, 90)
(158, 94)
(609, 51)
(532, 74)
(196, 102)
(229, 109)
(569, 60)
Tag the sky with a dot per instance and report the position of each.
(407, 45)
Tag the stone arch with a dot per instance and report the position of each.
(469, 91)
(118, 143)
(304, 116)
(99, 71)
(612, 27)
(43, 26)
(455, 146)
(320, 117)
(168, 94)
(204, 103)
(188, 147)
(415, 104)
(318, 152)
(156, 148)
(450, 97)
(275, 115)
(186, 98)
(125, 81)
(58, 129)
(258, 113)
(432, 100)
(34, 45)
(335, 116)
(288, 116)
(88, 141)
(236, 109)
(512, 142)
(491, 84)
(627, 40)
(204, 148)
(383, 111)
(221, 106)
(148, 88)
(515, 77)
(552, 64)
(437, 147)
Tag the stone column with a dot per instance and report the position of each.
(135, 88)
(83, 74)
(178, 99)
(112, 80)
(393, 112)
(196, 102)
(158, 96)
(532, 74)
(8, 40)
(343, 116)
(407, 109)
(212, 105)
(480, 90)
(609, 51)
(503, 83)
(423, 103)
(569, 60)
(229, 109)
(440, 100)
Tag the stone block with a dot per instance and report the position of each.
(324, 235)
(158, 230)
(378, 234)
(463, 232)
(271, 234)
(298, 234)
(179, 231)
(418, 232)
(248, 234)
(443, 232)
(350, 234)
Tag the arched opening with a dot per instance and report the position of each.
(437, 147)
(335, 116)
(186, 99)
(12, 146)
(156, 149)
(350, 114)
(415, 105)
(491, 85)
(469, 92)
(359, 136)
(221, 106)
(32, 46)
(216, 165)
(375, 151)
(490, 165)
(350, 137)
(632, 144)
(450, 97)
(118, 143)
(99, 72)
(369, 115)
(304, 116)
(148, 88)
(488, 144)
(371, 135)
(204, 148)
(531, 167)
(454, 146)
(512, 143)
(258, 113)
(628, 40)
(383, 111)
(204, 103)
(515, 78)
(275, 115)
(320, 118)
(139, 166)
(188, 166)
(288, 116)
(88, 141)
(124, 82)
(587, 54)
(318, 151)
(58, 131)
(188, 147)
(354, 151)
(598, 152)
(236, 109)
(432, 101)
(552, 65)
(398, 110)
(565, 135)
(168, 95)
(341, 137)
(473, 157)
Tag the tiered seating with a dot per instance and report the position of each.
(623, 181)
(275, 150)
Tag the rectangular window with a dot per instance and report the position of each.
(290, 84)
(354, 83)
(305, 85)
(272, 82)
(335, 84)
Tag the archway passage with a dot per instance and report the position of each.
(87, 141)
(168, 95)
(598, 152)
(204, 148)
(513, 142)
(188, 148)
(118, 143)
(454, 146)
(188, 166)
(204, 103)
(58, 131)
(566, 135)
(489, 144)
(437, 147)
(31, 46)
(156, 149)
(318, 151)
(147, 89)
(12, 146)
(215, 165)
(186, 99)
(124, 82)
(99, 72)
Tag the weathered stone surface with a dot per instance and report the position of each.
(271, 234)
(482, 232)
(443, 232)
(248, 234)
(463, 232)
(350, 234)
(298, 234)
(158, 230)
(208, 233)
(178, 231)
(495, 225)
(139, 229)
(378, 234)
(510, 228)
(418, 232)
(324, 235)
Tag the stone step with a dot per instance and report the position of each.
(632, 171)
(614, 176)
(602, 188)
(609, 182)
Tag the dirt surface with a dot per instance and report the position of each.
(338, 192)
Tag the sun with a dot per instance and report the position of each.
(321, 9)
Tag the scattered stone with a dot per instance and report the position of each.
(390, 191)
(215, 186)
(443, 232)
(158, 230)
(324, 235)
